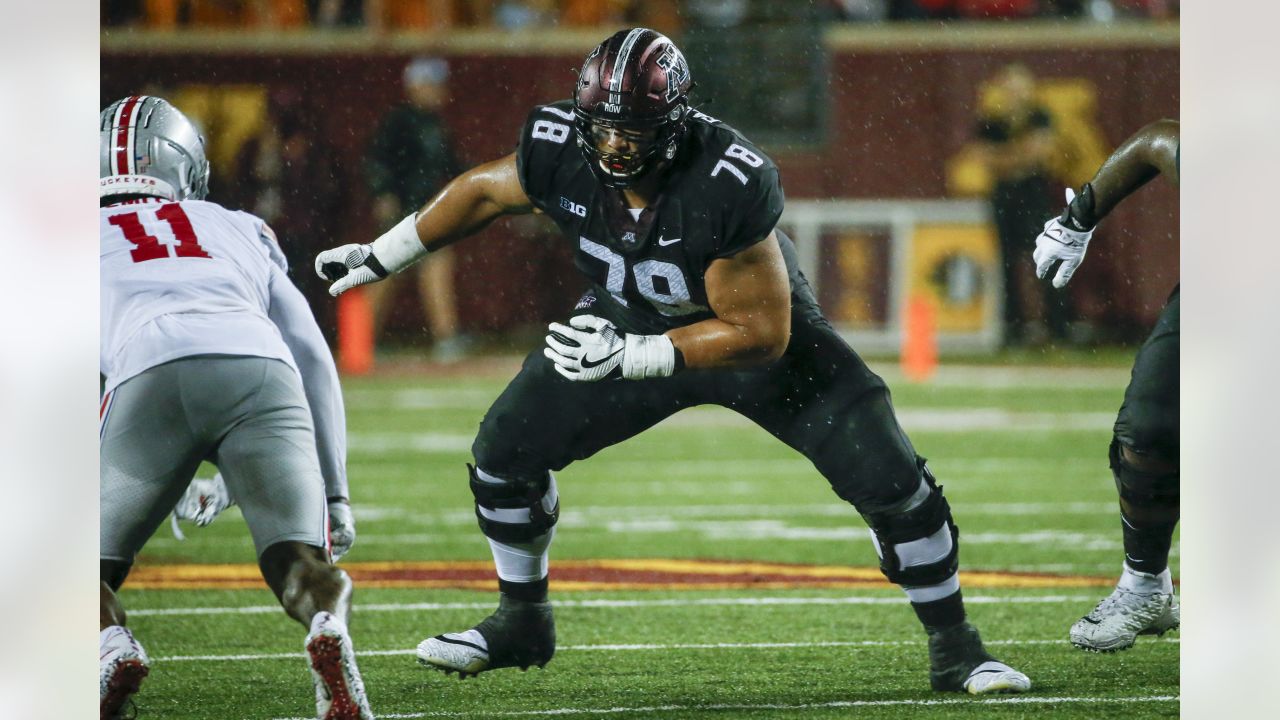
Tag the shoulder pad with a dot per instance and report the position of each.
(548, 145)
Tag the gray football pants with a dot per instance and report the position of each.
(247, 415)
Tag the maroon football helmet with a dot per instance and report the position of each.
(637, 83)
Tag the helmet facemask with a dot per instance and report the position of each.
(645, 144)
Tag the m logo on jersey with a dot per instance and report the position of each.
(573, 207)
(677, 70)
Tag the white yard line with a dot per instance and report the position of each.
(943, 420)
(1005, 700)
(641, 647)
(583, 514)
(607, 603)
(987, 377)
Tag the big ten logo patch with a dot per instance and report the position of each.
(573, 207)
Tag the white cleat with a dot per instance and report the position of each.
(340, 693)
(122, 665)
(995, 677)
(1122, 616)
(466, 653)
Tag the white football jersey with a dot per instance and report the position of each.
(185, 278)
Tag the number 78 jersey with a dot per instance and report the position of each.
(720, 196)
(185, 278)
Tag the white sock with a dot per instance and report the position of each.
(930, 593)
(522, 562)
(1141, 582)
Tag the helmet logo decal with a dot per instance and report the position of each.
(677, 70)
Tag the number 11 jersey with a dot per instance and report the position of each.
(180, 279)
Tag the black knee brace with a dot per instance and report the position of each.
(512, 511)
(897, 527)
(1146, 497)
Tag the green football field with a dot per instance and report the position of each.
(730, 582)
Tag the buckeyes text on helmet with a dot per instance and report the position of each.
(148, 147)
(636, 82)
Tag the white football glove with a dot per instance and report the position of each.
(342, 528)
(1059, 243)
(204, 500)
(590, 348)
(351, 265)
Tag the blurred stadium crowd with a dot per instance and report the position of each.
(392, 15)
(912, 111)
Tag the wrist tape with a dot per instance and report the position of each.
(399, 247)
(648, 356)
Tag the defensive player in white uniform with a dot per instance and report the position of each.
(210, 353)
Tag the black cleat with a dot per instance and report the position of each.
(518, 634)
(959, 663)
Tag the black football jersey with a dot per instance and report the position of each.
(721, 195)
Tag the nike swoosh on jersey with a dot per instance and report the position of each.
(672, 241)
(588, 364)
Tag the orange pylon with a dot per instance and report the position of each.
(919, 355)
(355, 332)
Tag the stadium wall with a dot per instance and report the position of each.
(901, 105)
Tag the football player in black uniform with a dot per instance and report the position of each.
(1144, 448)
(694, 298)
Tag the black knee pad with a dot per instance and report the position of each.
(513, 510)
(895, 528)
(1147, 497)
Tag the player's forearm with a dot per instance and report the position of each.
(455, 213)
(715, 343)
(470, 202)
(1149, 152)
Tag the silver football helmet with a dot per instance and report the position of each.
(148, 147)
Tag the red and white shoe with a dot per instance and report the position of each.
(122, 665)
(340, 691)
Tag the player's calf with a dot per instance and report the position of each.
(919, 548)
(1147, 483)
(518, 514)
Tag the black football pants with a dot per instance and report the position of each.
(819, 398)
(1148, 421)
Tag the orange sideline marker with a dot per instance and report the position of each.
(919, 355)
(355, 332)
